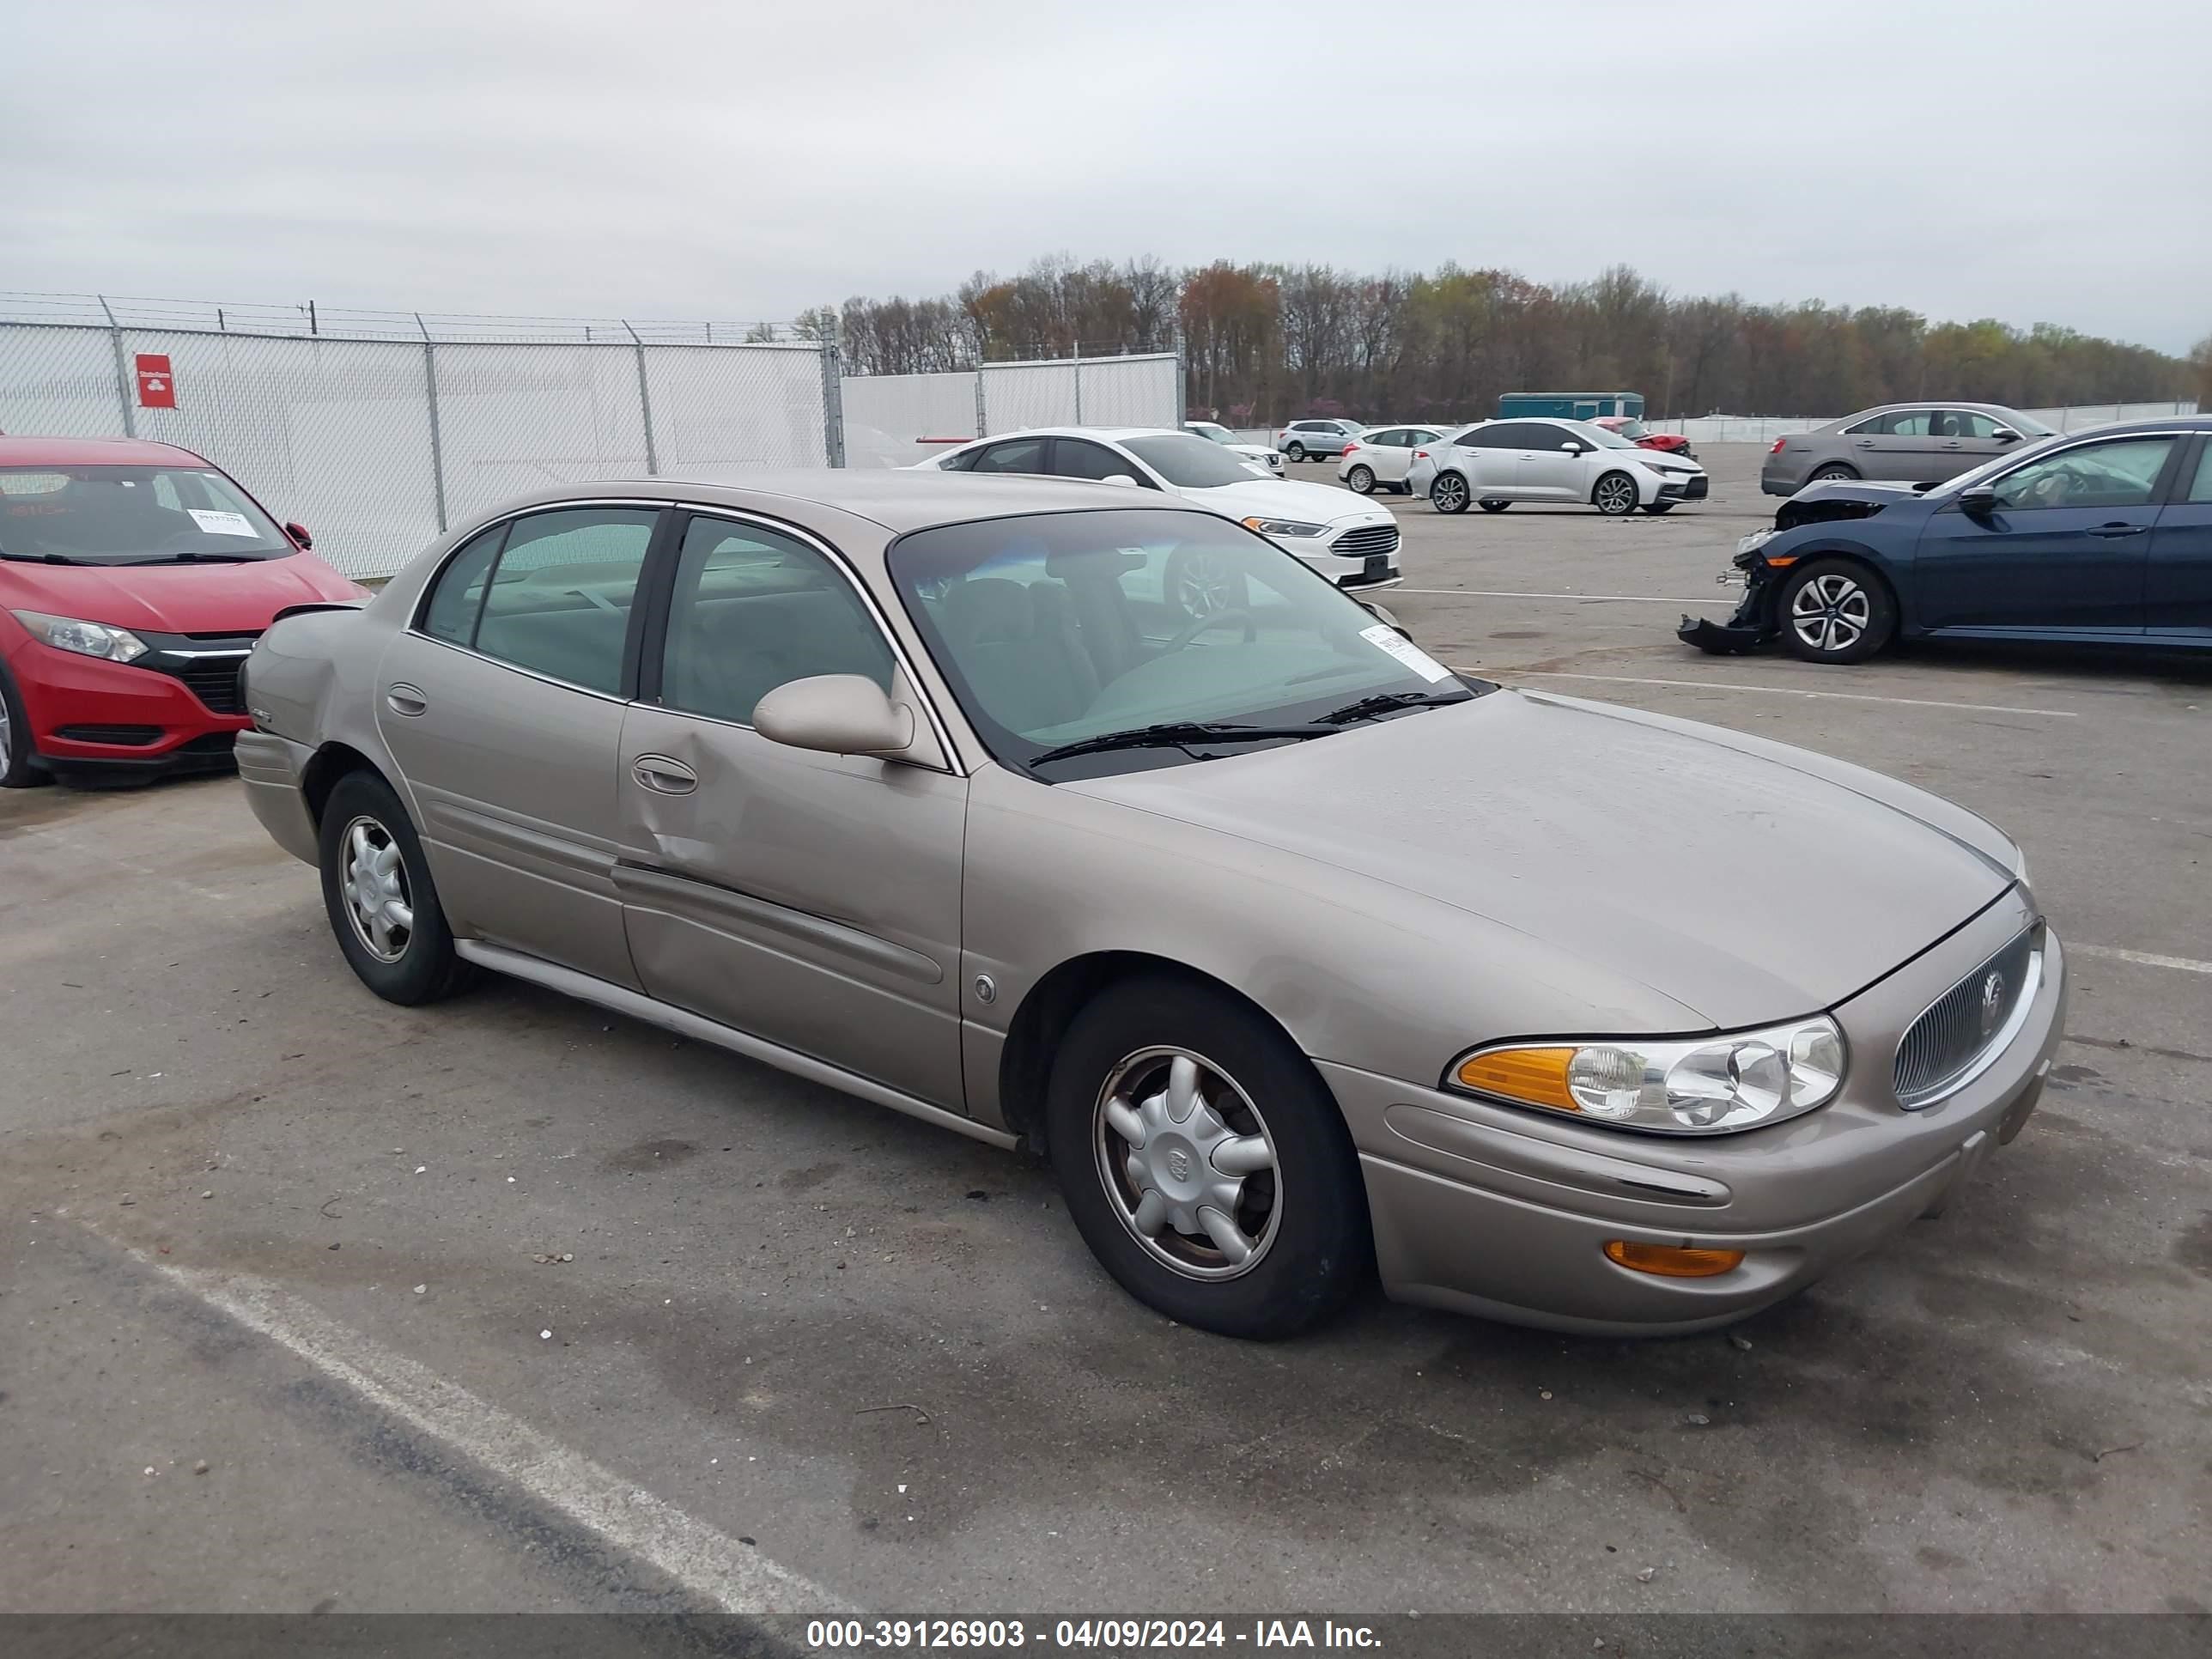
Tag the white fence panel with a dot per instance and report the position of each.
(891, 419)
(513, 418)
(719, 409)
(1018, 395)
(59, 382)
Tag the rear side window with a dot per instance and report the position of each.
(560, 597)
(458, 597)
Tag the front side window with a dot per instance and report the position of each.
(1078, 458)
(1189, 463)
(1056, 628)
(2200, 488)
(755, 608)
(2122, 472)
(560, 599)
(457, 600)
(117, 515)
(1021, 455)
(1898, 423)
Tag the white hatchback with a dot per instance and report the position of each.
(1353, 544)
(1498, 462)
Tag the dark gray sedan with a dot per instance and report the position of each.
(1909, 443)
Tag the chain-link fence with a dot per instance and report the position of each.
(892, 420)
(378, 442)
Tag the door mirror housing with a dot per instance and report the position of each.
(1382, 614)
(300, 538)
(1123, 478)
(2005, 435)
(1572, 447)
(835, 714)
(1977, 503)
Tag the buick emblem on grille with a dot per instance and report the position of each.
(1993, 991)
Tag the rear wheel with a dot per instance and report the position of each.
(1833, 610)
(1294, 451)
(1834, 472)
(383, 907)
(1614, 495)
(1362, 480)
(17, 770)
(1448, 493)
(1495, 505)
(1205, 1162)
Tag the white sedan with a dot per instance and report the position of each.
(1498, 462)
(1383, 455)
(1258, 454)
(1352, 543)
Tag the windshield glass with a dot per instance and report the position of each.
(1989, 468)
(1188, 463)
(1210, 432)
(1632, 430)
(1055, 627)
(1598, 435)
(130, 515)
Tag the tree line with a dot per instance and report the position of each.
(1264, 343)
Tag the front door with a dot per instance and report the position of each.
(810, 899)
(1900, 446)
(1548, 470)
(504, 707)
(2177, 590)
(2065, 546)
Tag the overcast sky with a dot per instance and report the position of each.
(2031, 160)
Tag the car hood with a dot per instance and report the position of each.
(174, 599)
(1745, 881)
(1869, 492)
(1283, 498)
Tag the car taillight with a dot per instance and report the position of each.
(1421, 454)
(1778, 442)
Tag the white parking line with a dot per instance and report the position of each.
(1781, 691)
(1609, 598)
(2141, 959)
(702, 1558)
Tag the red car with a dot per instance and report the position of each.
(134, 579)
(1668, 443)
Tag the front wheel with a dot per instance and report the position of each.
(16, 770)
(1205, 1162)
(1362, 480)
(1835, 611)
(382, 905)
(1448, 493)
(1614, 496)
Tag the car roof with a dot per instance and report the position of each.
(93, 452)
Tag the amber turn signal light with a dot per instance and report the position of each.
(1537, 1076)
(1670, 1260)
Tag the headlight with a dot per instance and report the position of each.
(86, 639)
(1757, 539)
(1286, 527)
(1701, 1086)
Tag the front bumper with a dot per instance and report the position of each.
(1693, 488)
(1502, 1213)
(1378, 570)
(88, 716)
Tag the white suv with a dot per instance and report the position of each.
(1317, 439)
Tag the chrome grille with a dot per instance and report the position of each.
(1963, 1028)
(1368, 539)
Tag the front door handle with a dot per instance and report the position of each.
(2111, 531)
(408, 700)
(1866, 443)
(663, 775)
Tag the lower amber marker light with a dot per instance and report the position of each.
(1670, 1260)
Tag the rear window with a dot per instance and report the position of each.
(131, 515)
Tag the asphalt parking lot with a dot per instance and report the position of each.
(310, 1302)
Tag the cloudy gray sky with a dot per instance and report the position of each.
(2032, 160)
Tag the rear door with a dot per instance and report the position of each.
(503, 705)
(2066, 548)
(2178, 589)
(812, 900)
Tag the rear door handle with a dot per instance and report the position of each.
(663, 775)
(2112, 531)
(406, 699)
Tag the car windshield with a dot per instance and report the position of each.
(1598, 435)
(130, 515)
(1053, 628)
(1218, 435)
(1990, 469)
(1632, 430)
(1188, 463)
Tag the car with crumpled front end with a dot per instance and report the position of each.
(1295, 951)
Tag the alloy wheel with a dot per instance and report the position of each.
(1448, 493)
(1615, 495)
(1830, 613)
(1188, 1163)
(1202, 586)
(374, 882)
(7, 738)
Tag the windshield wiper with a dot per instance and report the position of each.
(45, 558)
(200, 558)
(1366, 709)
(1173, 734)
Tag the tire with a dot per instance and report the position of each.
(1834, 611)
(1657, 508)
(18, 770)
(1833, 472)
(1195, 584)
(1614, 495)
(1448, 493)
(423, 966)
(1302, 1213)
(1362, 480)
(1294, 452)
(1495, 505)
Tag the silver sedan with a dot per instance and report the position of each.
(1298, 953)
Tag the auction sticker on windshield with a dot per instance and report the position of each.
(1387, 638)
(220, 524)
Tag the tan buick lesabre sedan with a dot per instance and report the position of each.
(1296, 951)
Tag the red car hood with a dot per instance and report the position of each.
(174, 598)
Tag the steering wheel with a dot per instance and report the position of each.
(1192, 630)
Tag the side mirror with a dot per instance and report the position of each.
(1572, 447)
(1382, 614)
(2005, 435)
(836, 713)
(1977, 503)
(300, 538)
(1121, 478)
